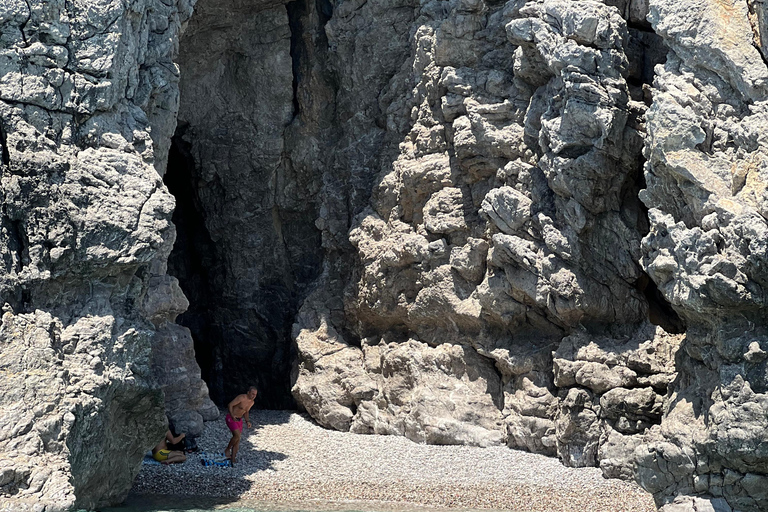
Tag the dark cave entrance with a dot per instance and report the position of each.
(246, 167)
(238, 341)
(191, 261)
(247, 179)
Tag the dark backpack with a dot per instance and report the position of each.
(190, 444)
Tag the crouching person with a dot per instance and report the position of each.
(163, 454)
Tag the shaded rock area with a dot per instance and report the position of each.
(535, 224)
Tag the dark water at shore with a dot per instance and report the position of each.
(200, 504)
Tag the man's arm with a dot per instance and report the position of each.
(247, 421)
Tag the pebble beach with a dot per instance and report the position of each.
(285, 458)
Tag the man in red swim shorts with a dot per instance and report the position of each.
(238, 410)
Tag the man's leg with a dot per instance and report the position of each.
(235, 445)
(228, 449)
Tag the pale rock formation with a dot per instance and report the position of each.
(502, 224)
(456, 221)
(518, 148)
(173, 363)
(706, 191)
(88, 97)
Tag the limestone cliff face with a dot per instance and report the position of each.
(539, 224)
(88, 99)
(558, 176)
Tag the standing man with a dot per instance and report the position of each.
(237, 410)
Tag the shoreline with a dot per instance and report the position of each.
(288, 460)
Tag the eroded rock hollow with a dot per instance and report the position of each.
(540, 224)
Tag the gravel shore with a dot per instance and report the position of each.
(286, 458)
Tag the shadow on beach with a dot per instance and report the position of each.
(193, 486)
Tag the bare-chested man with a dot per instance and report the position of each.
(238, 410)
(163, 455)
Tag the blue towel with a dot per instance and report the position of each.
(150, 461)
(214, 459)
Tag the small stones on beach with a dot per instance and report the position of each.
(286, 457)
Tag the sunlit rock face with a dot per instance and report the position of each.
(539, 224)
(88, 102)
(505, 219)
(706, 181)
(558, 177)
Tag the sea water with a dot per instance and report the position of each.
(200, 504)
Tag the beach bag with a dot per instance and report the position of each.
(190, 444)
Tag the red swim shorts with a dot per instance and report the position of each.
(233, 424)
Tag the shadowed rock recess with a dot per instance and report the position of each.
(541, 224)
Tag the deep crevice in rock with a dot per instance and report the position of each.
(660, 311)
(295, 11)
(193, 260)
(5, 157)
(19, 244)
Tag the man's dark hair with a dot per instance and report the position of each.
(253, 388)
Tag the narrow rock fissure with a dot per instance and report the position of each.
(192, 260)
(660, 311)
(5, 157)
(651, 51)
(19, 244)
(295, 11)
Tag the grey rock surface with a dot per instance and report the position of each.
(506, 219)
(88, 99)
(706, 250)
(500, 222)
(536, 224)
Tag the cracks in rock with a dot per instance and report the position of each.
(309, 43)
(193, 259)
(324, 11)
(295, 12)
(641, 26)
(19, 244)
(23, 26)
(660, 312)
(5, 156)
(759, 22)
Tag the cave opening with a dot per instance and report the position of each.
(247, 250)
(192, 261)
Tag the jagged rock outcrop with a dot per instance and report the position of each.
(173, 363)
(706, 190)
(505, 221)
(540, 224)
(505, 224)
(88, 98)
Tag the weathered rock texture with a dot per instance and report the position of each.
(707, 250)
(506, 257)
(505, 219)
(539, 224)
(88, 98)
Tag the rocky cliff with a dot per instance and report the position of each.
(539, 224)
(88, 99)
